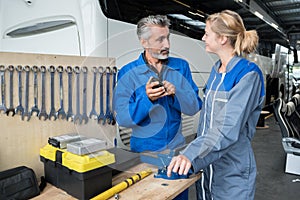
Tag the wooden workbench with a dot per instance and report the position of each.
(148, 188)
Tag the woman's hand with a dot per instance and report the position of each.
(179, 164)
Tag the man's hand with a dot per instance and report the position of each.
(170, 88)
(179, 164)
(154, 92)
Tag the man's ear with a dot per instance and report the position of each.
(144, 43)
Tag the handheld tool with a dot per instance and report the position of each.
(2, 74)
(11, 108)
(114, 72)
(52, 113)
(34, 108)
(108, 113)
(19, 109)
(77, 117)
(61, 114)
(43, 114)
(85, 118)
(93, 113)
(101, 115)
(70, 115)
(26, 113)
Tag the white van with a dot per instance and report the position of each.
(106, 28)
(100, 28)
(79, 27)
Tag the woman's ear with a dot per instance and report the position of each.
(224, 39)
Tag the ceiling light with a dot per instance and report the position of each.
(258, 15)
(180, 16)
(274, 25)
(195, 23)
(196, 14)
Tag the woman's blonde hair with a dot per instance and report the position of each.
(229, 23)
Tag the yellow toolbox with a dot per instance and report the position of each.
(82, 176)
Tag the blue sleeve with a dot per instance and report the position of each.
(131, 105)
(186, 99)
(243, 100)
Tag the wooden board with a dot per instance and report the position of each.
(153, 188)
(149, 188)
(20, 141)
(52, 192)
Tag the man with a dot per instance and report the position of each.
(154, 90)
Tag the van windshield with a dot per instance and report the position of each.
(184, 19)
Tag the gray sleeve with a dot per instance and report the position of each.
(227, 122)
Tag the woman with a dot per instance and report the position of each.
(233, 99)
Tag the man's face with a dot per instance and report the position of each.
(158, 44)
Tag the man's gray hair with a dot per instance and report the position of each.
(143, 26)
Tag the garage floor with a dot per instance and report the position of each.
(272, 182)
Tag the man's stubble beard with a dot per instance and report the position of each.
(159, 55)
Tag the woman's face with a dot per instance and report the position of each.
(211, 39)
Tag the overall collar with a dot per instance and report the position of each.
(234, 60)
(143, 65)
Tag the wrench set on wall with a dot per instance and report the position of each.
(43, 89)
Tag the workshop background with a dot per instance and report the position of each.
(58, 66)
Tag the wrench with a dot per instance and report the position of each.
(114, 72)
(43, 114)
(26, 112)
(52, 114)
(34, 108)
(61, 114)
(2, 74)
(93, 113)
(101, 115)
(11, 91)
(70, 115)
(84, 114)
(19, 109)
(108, 114)
(77, 117)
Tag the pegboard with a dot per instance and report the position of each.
(22, 137)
